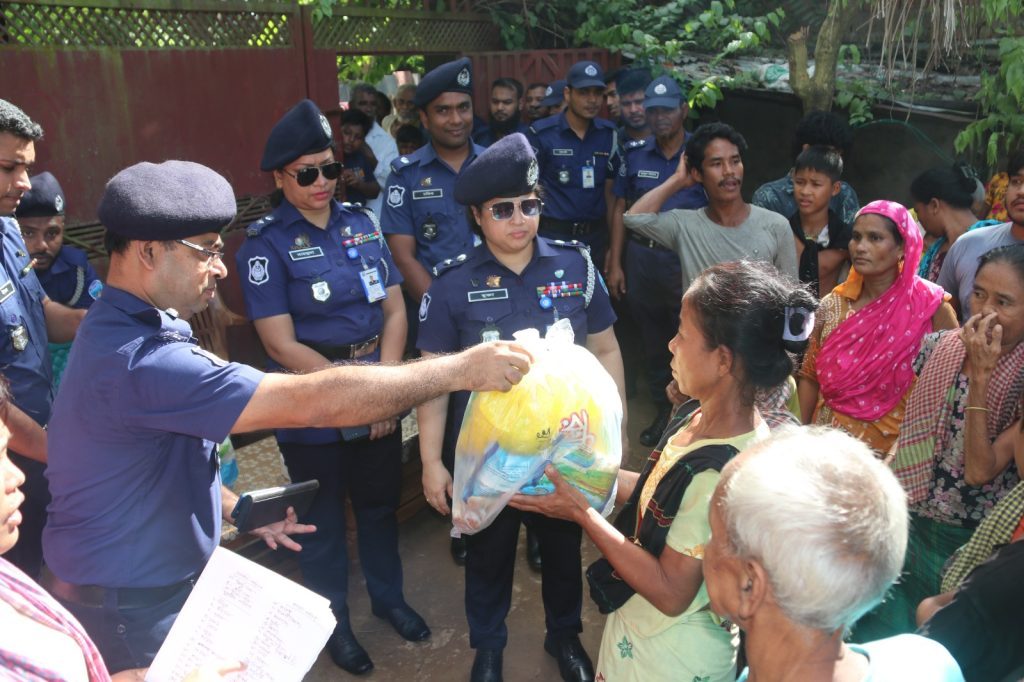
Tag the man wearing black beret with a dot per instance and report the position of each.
(137, 501)
(29, 319)
(64, 271)
(423, 223)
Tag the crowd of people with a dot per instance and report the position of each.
(838, 388)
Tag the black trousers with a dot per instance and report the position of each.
(490, 565)
(370, 473)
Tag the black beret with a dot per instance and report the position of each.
(165, 201)
(45, 199)
(585, 75)
(663, 91)
(303, 130)
(554, 94)
(456, 76)
(507, 168)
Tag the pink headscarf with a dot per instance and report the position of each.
(864, 366)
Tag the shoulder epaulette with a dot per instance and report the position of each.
(635, 144)
(449, 263)
(257, 227)
(543, 124)
(604, 123)
(400, 162)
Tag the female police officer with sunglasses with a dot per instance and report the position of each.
(320, 286)
(512, 281)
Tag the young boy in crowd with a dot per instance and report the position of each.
(822, 238)
(409, 139)
(358, 161)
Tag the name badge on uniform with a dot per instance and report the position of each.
(427, 194)
(653, 175)
(588, 177)
(487, 295)
(561, 152)
(321, 291)
(490, 333)
(19, 337)
(305, 254)
(372, 285)
(6, 290)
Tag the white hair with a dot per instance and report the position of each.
(826, 520)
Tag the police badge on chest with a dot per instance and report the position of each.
(321, 291)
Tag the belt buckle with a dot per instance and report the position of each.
(578, 229)
(363, 348)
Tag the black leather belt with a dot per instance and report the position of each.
(126, 597)
(349, 351)
(644, 241)
(565, 228)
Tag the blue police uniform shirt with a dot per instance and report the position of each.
(289, 266)
(133, 468)
(363, 169)
(485, 138)
(645, 166)
(480, 299)
(566, 162)
(69, 279)
(23, 327)
(419, 200)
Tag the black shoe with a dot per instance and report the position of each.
(573, 662)
(486, 666)
(347, 653)
(650, 436)
(533, 550)
(459, 551)
(406, 622)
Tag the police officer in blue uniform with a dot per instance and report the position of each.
(320, 286)
(652, 281)
(423, 223)
(64, 271)
(26, 314)
(137, 501)
(554, 98)
(512, 281)
(578, 155)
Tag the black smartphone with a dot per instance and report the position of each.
(260, 507)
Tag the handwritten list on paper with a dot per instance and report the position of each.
(241, 611)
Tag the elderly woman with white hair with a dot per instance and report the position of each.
(808, 532)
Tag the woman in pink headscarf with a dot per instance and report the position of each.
(858, 369)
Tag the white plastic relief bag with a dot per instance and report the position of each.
(565, 411)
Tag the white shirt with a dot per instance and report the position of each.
(386, 151)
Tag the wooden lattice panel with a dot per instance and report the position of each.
(156, 25)
(405, 31)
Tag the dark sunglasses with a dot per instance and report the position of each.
(305, 177)
(503, 210)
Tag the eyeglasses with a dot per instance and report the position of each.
(305, 177)
(503, 210)
(211, 255)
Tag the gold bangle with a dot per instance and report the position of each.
(979, 409)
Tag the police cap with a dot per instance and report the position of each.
(165, 201)
(45, 199)
(663, 92)
(585, 75)
(554, 94)
(456, 76)
(508, 168)
(303, 130)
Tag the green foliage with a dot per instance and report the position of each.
(657, 34)
(371, 68)
(1001, 100)
(855, 94)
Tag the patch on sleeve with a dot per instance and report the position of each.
(259, 272)
(424, 307)
(396, 196)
